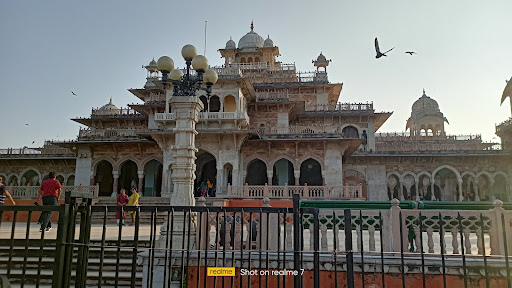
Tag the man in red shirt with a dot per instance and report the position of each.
(50, 189)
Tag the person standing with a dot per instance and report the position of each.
(122, 200)
(4, 194)
(133, 201)
(210, 187)
(204, 188)
(50, 190)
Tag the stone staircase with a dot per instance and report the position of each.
(35, 269)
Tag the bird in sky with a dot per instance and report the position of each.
(33, 142)
(411, 52)
(73, 93)
(26, 124)
(377, 49)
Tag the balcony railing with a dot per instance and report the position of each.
(206, 116)
(30, 192)
(406, 136)
(306, 192)
(87, 133)
(352, 107)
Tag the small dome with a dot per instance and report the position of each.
(321, 58)
(108, 109)
(425, 103)
(251, 40)
(230, 44)
(151, 67)
(268, 42)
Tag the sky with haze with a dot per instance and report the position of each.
(96, 49)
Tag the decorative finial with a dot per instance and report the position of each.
(110, 100)
(424, 92)
(230, 38)
(252, 25)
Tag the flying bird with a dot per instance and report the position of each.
(33, 142)
(377, 49)
(411, 52)
(26, 124)
(73, 93)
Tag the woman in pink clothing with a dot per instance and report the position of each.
(122, 200)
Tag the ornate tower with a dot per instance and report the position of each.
(426, 118)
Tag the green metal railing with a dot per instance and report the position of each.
(383, 205)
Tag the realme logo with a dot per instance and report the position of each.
(220, 271)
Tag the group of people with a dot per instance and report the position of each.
(124, 200)
(207, 188)
(49, 194)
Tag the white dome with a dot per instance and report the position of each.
(108, 109)
(251, 40)
(268, 42)
(230, 44)
(321, 58)
(425, 103)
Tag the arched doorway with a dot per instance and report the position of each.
(283, 173)
(60, 178)
(500, 188)
(104, 178)
(30, 178)
(13, 181)
(205, 103)
(214, 104)
(256, 173)
(468, 188)
(410, 187)
(128, 177)
(393, 187)
(206, 169)
(229, 104)
(447, 180)
(70, 181)
(153, 178)
(484, 187)
(350, 132)
(355, 178)
(311, 173)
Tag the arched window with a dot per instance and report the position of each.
(242, 60)
(214, 104)
(249, 60)
(256, 173)
(350, 132)
(311, 173)
(229, 104)
(104, 178)
(257, 59)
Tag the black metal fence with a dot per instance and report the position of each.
(267, 247)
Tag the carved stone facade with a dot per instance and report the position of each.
(267, 123)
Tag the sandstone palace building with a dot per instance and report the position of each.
(269, 130)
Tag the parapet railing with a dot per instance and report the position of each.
(305, 192)
(30, 192)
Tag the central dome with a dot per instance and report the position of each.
(251, 40)
(425, 103)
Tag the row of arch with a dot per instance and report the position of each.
(214, 104)
(446, 183)
(32, 177)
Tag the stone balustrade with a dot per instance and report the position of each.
(206, 116)
(369, 228)
(30, 192)
(352, 107)
(305, 192)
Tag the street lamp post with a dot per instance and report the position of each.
(185, 105)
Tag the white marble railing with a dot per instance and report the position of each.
(332, 230)
(305, 192)
(30, 192)
(205, 116)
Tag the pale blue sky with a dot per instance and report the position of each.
(96, 49)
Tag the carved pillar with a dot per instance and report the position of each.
(116, 181)
(93, 178)
(461, 197)
(417, 191)
(401, 190)
(477, 191)
(296, 173)
(270, 174)
(432, 190)
(220, 181)
(184, 149)
(141, 181)
(491, 190)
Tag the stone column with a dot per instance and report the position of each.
(220, 181)
(116, 181)
(432, 190)
(270, 174)
(477, 191)
(401, 190)
(461, 197)
(491, 190)
(183, 168)
(417, 191)
(93, 178)
(296, 173)
(141, 181)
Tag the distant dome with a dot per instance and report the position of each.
(108, 109)
(230, 44)
(268, 42)
(321, 58)
(425, 103)
(251, 40)
(152, 66)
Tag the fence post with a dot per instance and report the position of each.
(246, 190)
(348, 248)
(201, 202)
(296, 239)
(265, 190)
(97, 190)
(497, 244)
(395, 226)
(306, 192)
(63, 255)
